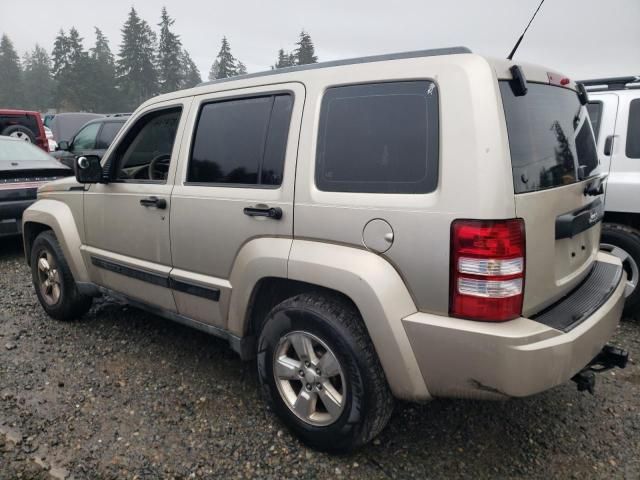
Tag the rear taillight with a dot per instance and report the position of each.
(487, 269)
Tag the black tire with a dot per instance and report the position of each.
(628, 239)
(17, 129)
(71, 304)
(336, 322)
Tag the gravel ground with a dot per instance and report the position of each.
(124, 394)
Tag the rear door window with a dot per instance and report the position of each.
(633, 130)
(595, 115)
(241, 141)
(379, 138)
(550, 137)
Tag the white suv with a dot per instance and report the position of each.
(614, 108)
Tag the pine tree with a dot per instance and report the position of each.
(191, 75)
(305, 53)
(225, 64)
(170, 73)
(37, 80)
(71, 71)
(284, 59)
(103, 96)
(60, 53)
(213, 71)
(135, 68)
(11, 92)
(241, 68)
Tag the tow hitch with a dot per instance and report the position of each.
(610, 357)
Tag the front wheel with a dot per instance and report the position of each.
(320, 372)
(624, 242)
(52, 279)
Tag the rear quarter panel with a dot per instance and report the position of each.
(474, 174)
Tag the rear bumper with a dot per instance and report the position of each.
(521, 357)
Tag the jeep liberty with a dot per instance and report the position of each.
(417, 225)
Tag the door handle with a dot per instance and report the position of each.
(608, 145)
(159, 203)
(270, 212)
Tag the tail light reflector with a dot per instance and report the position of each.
(487, 269)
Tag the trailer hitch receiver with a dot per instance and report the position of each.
(608, 358)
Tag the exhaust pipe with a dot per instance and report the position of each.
(608, 358)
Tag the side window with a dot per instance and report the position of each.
(595, 115)
(379, 138)
(85, 139)
(145, 151)
(107, 134)
(241, 141)
(633, 129)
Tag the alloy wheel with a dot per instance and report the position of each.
(21, 136)
(49, 278)
(309, 378)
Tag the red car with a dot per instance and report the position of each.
(24, 125)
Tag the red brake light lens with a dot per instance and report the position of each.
(487, 269)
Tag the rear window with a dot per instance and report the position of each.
(595, 115)
(633, 130)
(550, 137)
(379, 138)
(17, 150)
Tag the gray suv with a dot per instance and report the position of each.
(417, 225)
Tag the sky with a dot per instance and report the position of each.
(580, 38)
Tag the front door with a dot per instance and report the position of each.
(234, 190)
(126, 221)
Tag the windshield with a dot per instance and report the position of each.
(16, 150)
(550, 137)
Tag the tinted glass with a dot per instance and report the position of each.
(276, 144)
(379, 138)
(633, 130)
(595, 114)
(107, 134)
(549, 137)
(148, 144)
(241, 141)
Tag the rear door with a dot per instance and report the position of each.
(623, 194)
(553, 156)
(240, 166)
(603, 111)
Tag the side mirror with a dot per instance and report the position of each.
(63, 145)
(88, 169)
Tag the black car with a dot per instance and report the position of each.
(23, 168)
(93, 138)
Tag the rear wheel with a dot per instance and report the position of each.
(624, 242)
(321, 374)
(19, 132)
(52, 279)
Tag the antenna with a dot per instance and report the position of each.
(515, 47)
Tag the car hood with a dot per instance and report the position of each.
(11, 165)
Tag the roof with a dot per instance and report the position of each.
(350, 61)
(612, 83)
(17, 112)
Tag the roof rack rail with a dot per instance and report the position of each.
(351, 61)
(612, 83)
